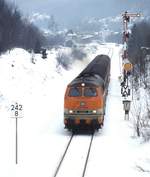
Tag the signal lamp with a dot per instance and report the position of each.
(126, 106)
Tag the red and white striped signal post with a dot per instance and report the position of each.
(127, 65)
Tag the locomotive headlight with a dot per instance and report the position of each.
(98, 111)
(83, 84)
(70, 111)
(67, 111)
(94, 111)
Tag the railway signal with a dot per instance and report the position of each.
(126, 106)
(126, 64)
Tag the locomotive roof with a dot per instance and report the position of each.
(94, 73)
(88, 80)
(99, 65)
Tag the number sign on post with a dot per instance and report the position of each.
(16, 112)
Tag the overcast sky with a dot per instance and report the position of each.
(69, 11)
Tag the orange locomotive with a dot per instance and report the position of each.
(85, 97)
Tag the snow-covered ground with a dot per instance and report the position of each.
(41, 136)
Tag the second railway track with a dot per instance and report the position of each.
(75, 158)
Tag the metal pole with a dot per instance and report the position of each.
(16, 140)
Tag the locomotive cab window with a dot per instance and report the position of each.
(90, 92)
(75, 92)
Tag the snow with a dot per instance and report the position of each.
(41, 136)
(116, 149)
(38, 16)
(76, 156)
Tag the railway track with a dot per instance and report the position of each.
(75, 157)
(57, 169)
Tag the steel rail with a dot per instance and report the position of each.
(88, 154)
(64, 154)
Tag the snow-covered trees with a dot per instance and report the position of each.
(141, 113)
(140, 37)
(52, 25)
(139, 54)
(16, 31)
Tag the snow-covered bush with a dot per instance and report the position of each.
(145, 123)
(78, 53)
(66, 56)
(64, 60)
(140, 109)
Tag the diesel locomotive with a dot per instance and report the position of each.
(85, 97)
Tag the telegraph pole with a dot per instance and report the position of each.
(127, 65)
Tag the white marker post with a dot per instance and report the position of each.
(16, 112)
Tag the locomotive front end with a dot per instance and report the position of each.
(83, 107)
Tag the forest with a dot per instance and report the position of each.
(16, 31)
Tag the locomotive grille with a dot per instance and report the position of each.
(83, 112)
